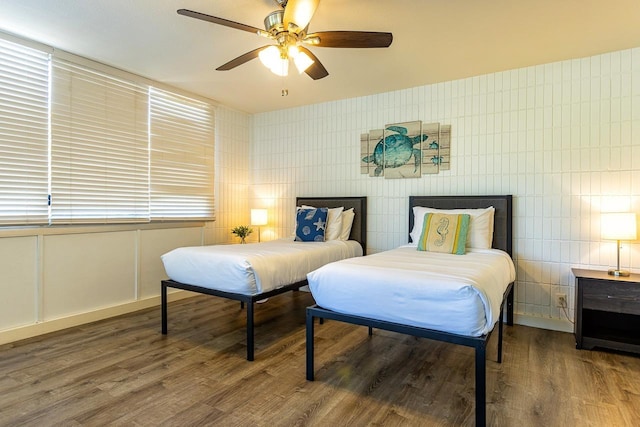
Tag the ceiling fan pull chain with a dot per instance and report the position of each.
(285, 91)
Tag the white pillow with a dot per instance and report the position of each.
(334, 222)
(347, 222)
(480, 227)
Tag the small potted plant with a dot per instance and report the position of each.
(242, 231)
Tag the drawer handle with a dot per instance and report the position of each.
(623, 298)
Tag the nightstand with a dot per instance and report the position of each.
(607, 311)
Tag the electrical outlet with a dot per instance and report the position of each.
(561, 300)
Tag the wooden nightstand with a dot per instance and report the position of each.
(607, 311)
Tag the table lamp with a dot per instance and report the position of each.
(619, 226)
(258, 218)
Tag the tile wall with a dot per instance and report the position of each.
(233, 130)
(562, 138)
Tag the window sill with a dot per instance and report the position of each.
(93, 228)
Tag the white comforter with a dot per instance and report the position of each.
(255, 267)
(460, 294)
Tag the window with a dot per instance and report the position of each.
(99, 147)
(182, 134)
(81, 142)
(24, 117)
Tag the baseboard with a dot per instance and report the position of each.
(30, 331)
(543, 323)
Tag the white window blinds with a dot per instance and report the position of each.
(99, 147)
(182, 157)
(24, 129)
(82, 142)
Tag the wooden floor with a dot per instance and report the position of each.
(122, 371)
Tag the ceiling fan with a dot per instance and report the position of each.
(288, 28)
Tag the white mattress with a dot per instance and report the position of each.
(460, 294)
(253, 268)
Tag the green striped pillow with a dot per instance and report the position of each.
(446, 233)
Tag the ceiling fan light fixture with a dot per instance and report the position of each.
(281, 68)
(292, 51)
(269, 56)
(273, 60)
(302, 14)
(302, 62)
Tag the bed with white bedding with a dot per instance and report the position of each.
(254, 268)
(252, 272)
(441, 296)
(461, 294)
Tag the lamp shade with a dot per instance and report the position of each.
(258, 217)
(619, 226)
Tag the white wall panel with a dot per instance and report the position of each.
(84, 272)
(154, 243)
(18, 285)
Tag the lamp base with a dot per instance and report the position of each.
(621, 273)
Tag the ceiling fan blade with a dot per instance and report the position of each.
(316, 70)
(241, 59)
(358, 39)
(299, 12)
(219, 21)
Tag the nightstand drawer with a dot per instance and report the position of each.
(611, 296)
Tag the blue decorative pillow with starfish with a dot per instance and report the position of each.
(311, 224)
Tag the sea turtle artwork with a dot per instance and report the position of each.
(395, 150)
(430, 148)
(406, 150)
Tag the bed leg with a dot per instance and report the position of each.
(500, 328)
(163, 303)
(310, 346)
(481, 386)
(510, 307)
(241, 305)
(250, 331)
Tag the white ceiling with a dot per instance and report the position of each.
(433, 41)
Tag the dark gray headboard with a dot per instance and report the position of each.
(503, 218)
(359, 205)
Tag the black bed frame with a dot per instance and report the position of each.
(502, 239)
(358, 233)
